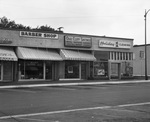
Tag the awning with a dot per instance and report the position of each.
(77, 55)
(37, 54)
(7, 54)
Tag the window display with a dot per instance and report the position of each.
(7, 71)
(127, 69)
(100, 69)
(30, 70)
(72, 69)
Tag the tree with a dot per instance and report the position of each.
(8, 24)
(4, 22)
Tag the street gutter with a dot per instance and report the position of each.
(74, 84)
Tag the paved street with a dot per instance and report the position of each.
(90, 103)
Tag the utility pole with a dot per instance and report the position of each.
(146, 77)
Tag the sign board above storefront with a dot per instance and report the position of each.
(38, 34)
(77, 41)
(114, 44)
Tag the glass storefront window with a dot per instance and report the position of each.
(127, 56)
(115, 55)
(124, 57)
(71, 69)
(127, 69)
(31, 69)
(7, 70)
(100, 69)
(112, 56)
(130, 56)
(120, 55)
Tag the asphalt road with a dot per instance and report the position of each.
(94, 103)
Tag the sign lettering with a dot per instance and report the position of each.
(114, 44)
(77, 41)
(39, 35)
(5, 41)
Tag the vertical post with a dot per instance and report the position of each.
(146, 77)
(109, 70)
(44, 70)
(80, 70)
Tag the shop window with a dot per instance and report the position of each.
(127, 56)
(130, 56)
(71, 69)
(7, 70)
(142, 55)
(118, 56)
(115, 56)
(127, 69)
(124, 57)
(121, 56)
(31, 70)
(112, 56)
(100, 69)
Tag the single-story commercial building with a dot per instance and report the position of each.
(139, 60)
(33, 55)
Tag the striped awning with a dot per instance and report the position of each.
(37, 54)
(7, 54)
(77, 55)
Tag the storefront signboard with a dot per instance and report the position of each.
(77, 41)
(5, 41)
(114, 44)
(38, 34)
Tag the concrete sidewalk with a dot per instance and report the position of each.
(68, 83)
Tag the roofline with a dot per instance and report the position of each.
(99, 36)
(141, 45)
(67, 33)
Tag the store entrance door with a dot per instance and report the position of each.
(48, 70)
(115, 70)
(83, 70)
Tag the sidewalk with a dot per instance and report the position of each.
(23, 84)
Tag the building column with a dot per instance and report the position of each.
(44, 66)
(109, 70)
(79, 70)
(15, 71)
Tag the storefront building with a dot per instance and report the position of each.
(114, 58)
(28, 56)
(139, 61)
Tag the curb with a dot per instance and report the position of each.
(73, 84)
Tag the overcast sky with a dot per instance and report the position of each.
(114, 18)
